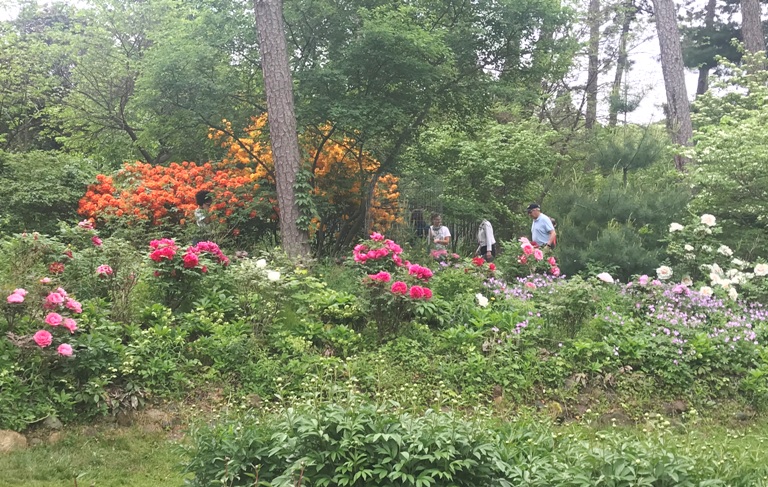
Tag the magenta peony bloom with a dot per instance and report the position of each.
(417, 292)
(53, 319)
(96, 241)
(43, 338)
(427, 292)
(15, 298)
(69, 324)
(190, 260)
(61, 291)
(555, 271)
(527, 248)
(65, 350)
(399, 287)
(377, 237)
(382, 276)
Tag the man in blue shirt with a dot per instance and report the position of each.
(542, 231)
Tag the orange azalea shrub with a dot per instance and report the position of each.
(342, 175)
(243, 187)
(165, 195)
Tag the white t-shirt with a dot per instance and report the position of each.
(440, 233)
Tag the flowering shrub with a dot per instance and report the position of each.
(46, 306)
(397, 288)
(533, 261)
(698, 257)
(178, 273)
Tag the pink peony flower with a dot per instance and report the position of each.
(96, 241)
(45, 280)
(190, 260)
(61, 291)
(65, 350)
(492, 267)
(396, 249)
(538, 254)
(74, 306)
(43, 338)
(87, 224)
(54, 299)
(427, 292)
(15, 298)
(552, 261)
(399, 287)
(377, 237)
(382, 276)
(69, 324)
(417, 292)
(643, 280)
(530, 285)
(53, 319)
(555, 271)
(523, 259)
(21, 291)
(527, 248)
(104, 270)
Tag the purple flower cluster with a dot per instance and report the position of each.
(523, 288)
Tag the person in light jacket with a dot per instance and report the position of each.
(486, 243)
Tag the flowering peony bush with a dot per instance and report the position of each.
(47, 309)
(177, 272)
(697, 257)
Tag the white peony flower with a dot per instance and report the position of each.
(605, 277)
(708, 220)
(716, 268)
(482, 301)
(731, 272)
(675, 227)
(761, 270)
(706, 291)
(725, 250)
(738, 262)
(706, 248)
(689, 248)
(715, 278)
(687, 281)
(273, 276)
(733, 294)
(664, 272)
(261, 263)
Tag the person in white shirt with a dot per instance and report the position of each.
(486, 243)
(439, 236)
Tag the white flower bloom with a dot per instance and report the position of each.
(761, 270)
(725, 284)
(725, 250)
(482, 301)
(689, 248)
(716, 268)
(664, 272)
(261, 263)
(708, 220)
(273, 276)
(706, 248)
(708, 231)
(738, 262)
(675, 227)
(706, 291)
(605, 277)
(687, 281)
(715, 278)
(731, 272)
(733, 294)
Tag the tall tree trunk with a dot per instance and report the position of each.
(627, 15)
(282, 122)
(678, 107)
(709, 24)
(593, 18)
(751, 26)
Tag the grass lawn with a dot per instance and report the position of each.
(100, 456)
